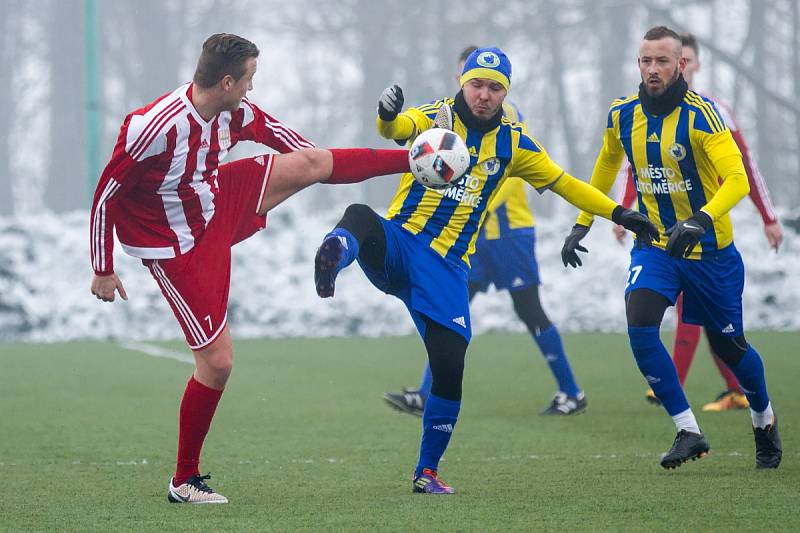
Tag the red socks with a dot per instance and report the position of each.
(353, 165)
(197, 409)
(687, 336)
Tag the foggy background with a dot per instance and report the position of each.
(322, 66)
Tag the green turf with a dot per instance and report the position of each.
(302, 441)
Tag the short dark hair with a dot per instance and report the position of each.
(659, 32)
(223, 54)
(688, 39)
(466, 53)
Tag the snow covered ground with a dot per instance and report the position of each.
(45, 276)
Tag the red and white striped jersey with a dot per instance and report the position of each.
(158, 189)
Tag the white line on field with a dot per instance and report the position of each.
(339, 461)
(156, 351)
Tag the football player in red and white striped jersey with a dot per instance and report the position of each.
(176, 207)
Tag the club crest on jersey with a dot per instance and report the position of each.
(488, 60)
(676, 151)
(490, 166)
(224, 138)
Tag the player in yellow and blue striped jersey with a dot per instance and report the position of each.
(678, 144)
(505, 257)
(420, 251)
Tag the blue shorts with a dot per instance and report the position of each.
(509, 263)
(712, 287)
(423, 280)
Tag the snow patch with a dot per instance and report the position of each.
(45, 277)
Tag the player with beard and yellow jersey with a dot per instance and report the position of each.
(688, 174)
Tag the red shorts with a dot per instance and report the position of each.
(196, 284)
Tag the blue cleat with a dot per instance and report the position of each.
(326, 264)
(429, 483)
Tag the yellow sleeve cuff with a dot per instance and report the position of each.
(399, 129)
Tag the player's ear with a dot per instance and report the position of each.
(227, 82)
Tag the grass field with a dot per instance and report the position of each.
(302, 441)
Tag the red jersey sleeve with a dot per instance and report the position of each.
(629, 192)
(262, 128)
(759, 194)
(132, 156)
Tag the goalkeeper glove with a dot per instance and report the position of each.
(646, 232)
(572, 243)
(685, 234)
(390, 103)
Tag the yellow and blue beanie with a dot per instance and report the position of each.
(490, 63)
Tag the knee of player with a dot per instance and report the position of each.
(219, 361)
(729, 349)
(357, 211)
(317, 163)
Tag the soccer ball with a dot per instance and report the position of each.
(438, 158)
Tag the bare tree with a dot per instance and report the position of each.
(66, 169)
(9, 62)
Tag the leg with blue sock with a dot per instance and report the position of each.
(446, 352)
(747, 366)
(645, 310)
(528, 307)
(358, 233)
(658, 369)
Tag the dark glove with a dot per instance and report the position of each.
(572, 243)
(390, 103)
(646, 232)
(685, 234)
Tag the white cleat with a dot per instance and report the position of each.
(194, 490)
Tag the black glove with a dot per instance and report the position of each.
(685, 234)
(646, 232)
(572, 243)
(390, 103)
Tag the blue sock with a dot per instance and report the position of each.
(549, 342)
(350, 246)
(750, 374)
(427, 381)
(438, 421)
(658, 369)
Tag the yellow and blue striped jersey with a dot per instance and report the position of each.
(448, 220)
(509, 209)
(676, 160)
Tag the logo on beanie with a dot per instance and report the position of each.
(488, 60)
